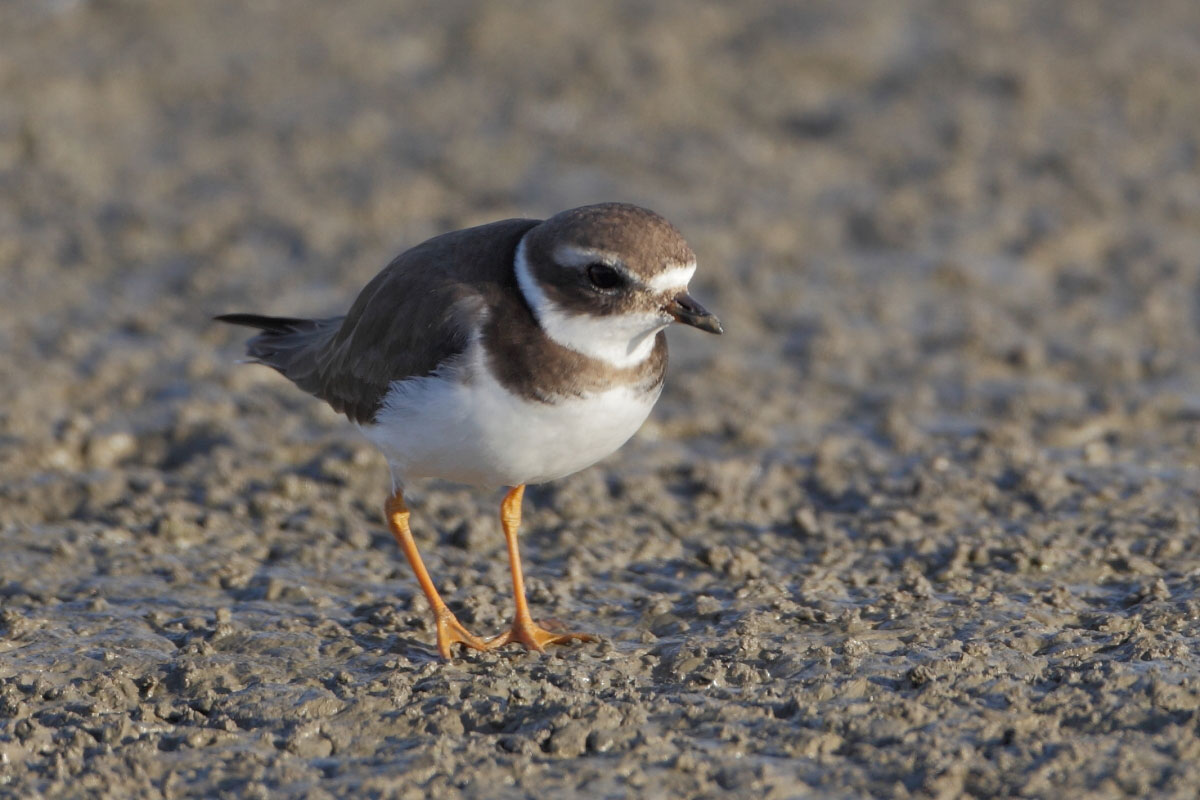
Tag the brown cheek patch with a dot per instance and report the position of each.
(569, 289)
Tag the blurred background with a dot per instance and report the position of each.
(954, 246)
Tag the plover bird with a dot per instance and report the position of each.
(510, 353)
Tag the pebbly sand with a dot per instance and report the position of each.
(924, 523)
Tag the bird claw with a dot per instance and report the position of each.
(534, 637)
(450, 632)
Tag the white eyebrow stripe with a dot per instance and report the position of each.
(674, 278)
(571, 256)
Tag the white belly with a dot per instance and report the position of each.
(477, 432)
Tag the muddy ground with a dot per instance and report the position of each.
(924, 523)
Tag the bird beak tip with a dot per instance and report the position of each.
(686, 310)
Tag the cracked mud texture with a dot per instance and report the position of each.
(924, 523)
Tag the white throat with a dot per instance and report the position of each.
(621, 340)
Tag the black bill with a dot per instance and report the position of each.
(686, 310)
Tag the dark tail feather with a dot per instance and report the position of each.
(269, 324)
(287, 344)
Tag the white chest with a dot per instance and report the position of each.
(477, 432)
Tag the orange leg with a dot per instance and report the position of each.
(524, 629)
(449, 629)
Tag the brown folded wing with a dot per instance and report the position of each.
(415, 315)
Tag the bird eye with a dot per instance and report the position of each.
(603, 276)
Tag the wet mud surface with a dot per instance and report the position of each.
(923, 523)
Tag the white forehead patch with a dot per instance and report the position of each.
(673, 278)
(621, 340)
